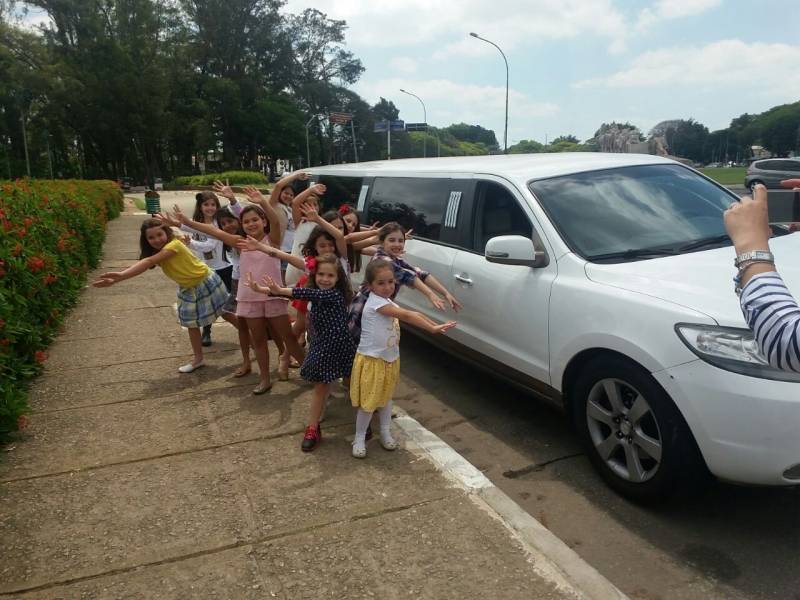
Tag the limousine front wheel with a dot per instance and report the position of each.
(633, 433)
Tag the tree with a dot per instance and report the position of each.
(571, 139)
(473, 133)
(526, 147)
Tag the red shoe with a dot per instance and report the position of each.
(312, 438)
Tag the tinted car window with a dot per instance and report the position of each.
(792, 165)
(633, 208)
(340, 190)
(417, 204)
(497, 213)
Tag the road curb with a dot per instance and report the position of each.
(552, 558)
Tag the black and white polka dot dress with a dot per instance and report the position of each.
(331, 348)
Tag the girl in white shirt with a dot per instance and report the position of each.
(376, 368)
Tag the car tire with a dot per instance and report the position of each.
(754, 183)
(633, 433)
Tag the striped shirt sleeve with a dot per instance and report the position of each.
(774, 316)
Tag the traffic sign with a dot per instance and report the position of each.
(398, 125)
(416, 127)
(381, 126)
(340, 117)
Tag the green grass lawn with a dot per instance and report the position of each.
(726, 176)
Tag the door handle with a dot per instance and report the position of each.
(463, 279)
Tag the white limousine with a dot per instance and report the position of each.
(602, 282)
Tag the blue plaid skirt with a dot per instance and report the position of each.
(201, 305)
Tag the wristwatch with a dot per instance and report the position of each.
(755, 255)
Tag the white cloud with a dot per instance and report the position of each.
(664, 10)
(447, 23)
(404, 64)
(731, 63)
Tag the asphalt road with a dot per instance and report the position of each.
(723, 541)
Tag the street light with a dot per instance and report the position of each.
(505, 132)
(425, 120)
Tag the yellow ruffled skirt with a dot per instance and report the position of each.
(372, 382)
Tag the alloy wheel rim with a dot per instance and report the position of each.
(624, 430)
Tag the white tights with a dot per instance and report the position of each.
(363, 418)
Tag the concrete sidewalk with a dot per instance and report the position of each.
(136, 482)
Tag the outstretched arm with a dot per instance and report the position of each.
(268, 287)
(435, 300)
(371, 240)
(251, 244)
(436, 286)
(206, 228)
(224, 190)
(312, 215)
(275, 228)
(415, 318)
(112, 277)
(313, 190)
(275, 195)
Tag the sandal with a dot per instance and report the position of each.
(261, 389)
(242, 372)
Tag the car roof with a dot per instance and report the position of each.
(522, 167)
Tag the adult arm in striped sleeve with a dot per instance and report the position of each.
(768, 306)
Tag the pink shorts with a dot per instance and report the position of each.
(266, 310)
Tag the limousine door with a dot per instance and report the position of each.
(505, 314)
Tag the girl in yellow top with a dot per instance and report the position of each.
(201, 292)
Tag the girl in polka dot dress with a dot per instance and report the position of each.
(331, 348)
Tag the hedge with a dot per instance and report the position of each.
(51, 234)
(232, 177)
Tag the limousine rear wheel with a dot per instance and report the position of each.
(633, 433)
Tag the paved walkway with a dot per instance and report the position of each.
(136, 482)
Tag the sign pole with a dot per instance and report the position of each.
(389, 141)
(353, 131)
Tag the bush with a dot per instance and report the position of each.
(233, 178)
(51, 234)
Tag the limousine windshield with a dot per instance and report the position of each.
(634, 213)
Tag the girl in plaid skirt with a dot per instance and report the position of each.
(201, 292)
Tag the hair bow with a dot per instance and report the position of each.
(344, 209)
(311, 264)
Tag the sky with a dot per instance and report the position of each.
(573, 64)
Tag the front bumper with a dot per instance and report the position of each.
(748, 429)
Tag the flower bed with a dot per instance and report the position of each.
(51, 234)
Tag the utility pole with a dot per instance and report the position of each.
(25, 140)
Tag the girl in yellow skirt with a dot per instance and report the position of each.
(377, 364)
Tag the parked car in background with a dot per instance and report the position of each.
(158, 185)
(602, 283)
(125, 183)
(771, 171)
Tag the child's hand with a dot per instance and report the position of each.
(408, 235)
(167, 219)
(223, 189)
(300, 176)
(444, 327)
(249, 282)
(453, 302)
(251, 244)
(254, 195)
(318, 189)
(178, 215)
(437, 302)
(309, 212)
(107, 279)
(274, 289)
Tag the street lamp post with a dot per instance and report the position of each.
(505, 132)
(425, 120)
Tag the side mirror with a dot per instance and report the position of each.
(515, 250)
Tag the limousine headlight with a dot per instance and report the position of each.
(732, 349)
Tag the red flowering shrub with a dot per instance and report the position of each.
(51, 233)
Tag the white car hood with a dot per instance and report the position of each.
(701, 281)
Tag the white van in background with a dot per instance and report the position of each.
(601, 282)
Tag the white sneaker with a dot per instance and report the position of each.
(189, 367)
(359, 450)
(388, 442)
